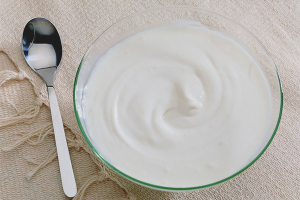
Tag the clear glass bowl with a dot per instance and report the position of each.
(163, 16)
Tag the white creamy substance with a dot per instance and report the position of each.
(177, 106)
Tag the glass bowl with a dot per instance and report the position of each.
(164, 16)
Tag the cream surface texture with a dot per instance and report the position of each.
(177, 106)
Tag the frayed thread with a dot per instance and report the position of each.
(75, 143)
(6, 75)
(37, 137)
(102, 176)
(28, 137)
(129, 194)
(51, 156)
(40, 134)
(90, 181)
(26, 117)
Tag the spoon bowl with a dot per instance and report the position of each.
(42, 48)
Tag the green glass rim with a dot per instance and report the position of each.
(177, 188)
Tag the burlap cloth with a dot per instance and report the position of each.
(28, 163)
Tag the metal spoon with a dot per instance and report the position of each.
(43, 51)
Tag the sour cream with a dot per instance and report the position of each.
(177, 106)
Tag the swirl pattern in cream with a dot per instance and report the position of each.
(177, 106)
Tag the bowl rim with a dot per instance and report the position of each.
(158, 187)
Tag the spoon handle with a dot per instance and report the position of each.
(65, 165)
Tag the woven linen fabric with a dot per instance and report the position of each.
(28, 163)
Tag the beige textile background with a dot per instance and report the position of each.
(276, 175)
